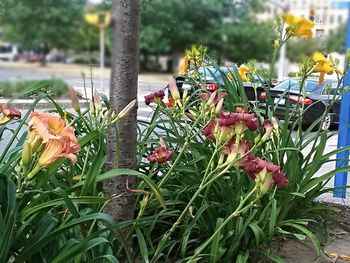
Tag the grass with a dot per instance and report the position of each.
(54, 87)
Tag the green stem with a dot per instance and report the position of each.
(240, 209)
(36, 169)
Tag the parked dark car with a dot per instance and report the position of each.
(317, 97)
(214, 80)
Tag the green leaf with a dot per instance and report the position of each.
(214, 251)
(142, 245)
(121, 171)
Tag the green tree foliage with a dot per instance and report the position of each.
(226, 27)
(335, 42)
(243, 42)
(35, 22)
(297, 48)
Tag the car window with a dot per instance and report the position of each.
(294, 84)
(331, 89)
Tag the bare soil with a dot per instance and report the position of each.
(337, 244)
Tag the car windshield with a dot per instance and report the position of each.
(293, 84)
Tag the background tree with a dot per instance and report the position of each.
(36, 23)
(335, 41)
(123, 89)
(169, 27)
(242, 42)
(297, 48)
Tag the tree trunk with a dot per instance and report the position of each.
(123, 89)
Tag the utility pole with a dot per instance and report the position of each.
(341, 178)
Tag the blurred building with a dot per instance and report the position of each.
(328, 15)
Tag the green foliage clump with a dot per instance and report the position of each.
(53, 87)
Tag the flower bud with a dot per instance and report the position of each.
(218, 107)
(126, 110)
(97, 101)
(27, 155)
(174, 90)
(257, 139)
(185, 94)
(74, 98)
(211, 99)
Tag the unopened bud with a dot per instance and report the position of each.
(74, 98)
(184, 94)
(211, 99)
(257, 139)
(97, 101)
(126, 110)
(218, 107)
(27, 155)
(221, 159)
(174, 90)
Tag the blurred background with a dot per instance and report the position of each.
(62, 39)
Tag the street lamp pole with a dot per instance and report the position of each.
(341, 178)
(102, 55)
(282, 53)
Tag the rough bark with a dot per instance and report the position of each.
(123, 89)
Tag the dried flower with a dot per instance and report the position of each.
(155, 97)
(8, 114)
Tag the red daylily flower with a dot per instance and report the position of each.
(256, 165)
(208, 131)
(162, 154)
(234, 150)
(8, 114)
(154, 97)
(249, 120)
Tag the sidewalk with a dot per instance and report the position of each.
(76, 71)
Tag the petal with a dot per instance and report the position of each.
(318, 56)
(292, 19)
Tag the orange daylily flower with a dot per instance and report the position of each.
(184, 63)
(46, 126)
(298, 26)
(59, 140)
(242, 71)
(55, 149)
(8, 114)
(323, 66)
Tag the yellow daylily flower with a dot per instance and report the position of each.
(323, 66)
(242, 71)
(184, 63)
(298, 26)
